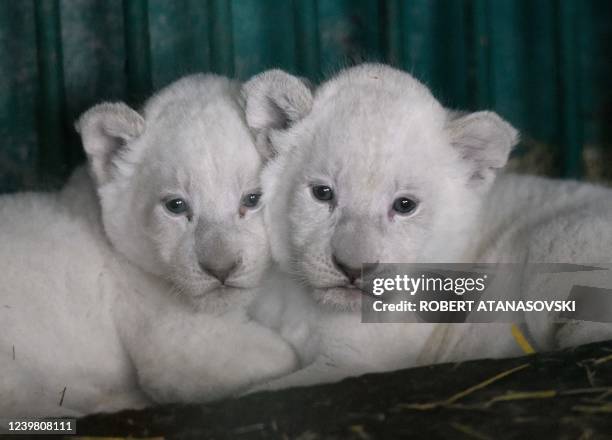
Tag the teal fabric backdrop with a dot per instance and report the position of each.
(546, 65)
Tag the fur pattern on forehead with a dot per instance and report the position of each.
(200, 90)
(192, 110)
(375, 76)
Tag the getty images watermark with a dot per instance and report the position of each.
(454, 293)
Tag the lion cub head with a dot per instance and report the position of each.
(179, 186)
(369, 169)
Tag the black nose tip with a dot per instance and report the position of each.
(221, 273)
(352, 273)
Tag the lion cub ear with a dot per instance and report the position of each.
(484, 140)
(274, 101)
(105, 129)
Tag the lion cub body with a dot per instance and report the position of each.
(374, 135)
(107, 300)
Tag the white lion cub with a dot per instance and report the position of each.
(371, 168)
(131, 286)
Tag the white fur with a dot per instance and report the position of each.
(103, 299)
(374, 133)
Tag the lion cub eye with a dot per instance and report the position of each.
(323, 193)
(250, 200)
(404, 205)
(177, 206)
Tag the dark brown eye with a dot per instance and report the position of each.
(177, 206)
(404, 205)
(323, 193)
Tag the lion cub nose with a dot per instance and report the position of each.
(220, 270)
(352, 273)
